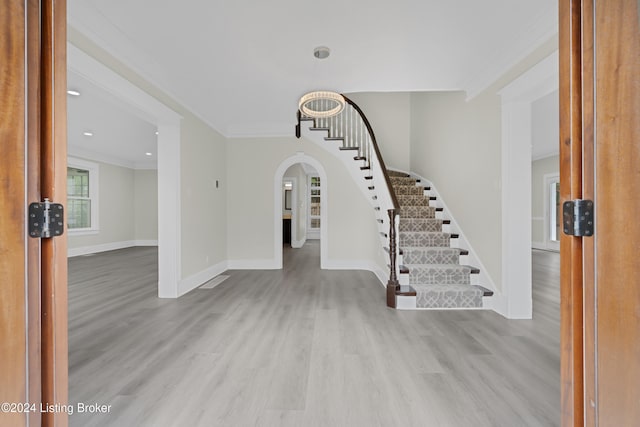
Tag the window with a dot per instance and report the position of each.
(82, 197)
(313, 231)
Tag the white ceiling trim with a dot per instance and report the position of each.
(84, 19)
(93, 70)
(502, 61)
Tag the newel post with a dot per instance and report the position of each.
(393, 284)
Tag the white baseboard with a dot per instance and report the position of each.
(195, 280)
(86, 250)
(538, 245)
(298, 243)
(496, 302)
(364, 264)
(146, 243)
(252, 264)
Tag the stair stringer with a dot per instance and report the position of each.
(379, 197)
(483, 278)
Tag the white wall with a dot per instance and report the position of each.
(204, 211)
(389, 115)
(128, 210)
(145, 199)
(455, 144)
(251, 166)
(540, 168)
(202, 225)
(545, 126)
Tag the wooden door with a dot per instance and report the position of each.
(600, 160)
(33, 326)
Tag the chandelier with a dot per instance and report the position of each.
(321, 104)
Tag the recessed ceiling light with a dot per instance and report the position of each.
(148, 154)
(87, 133)
(73, 92)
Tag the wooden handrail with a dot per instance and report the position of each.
(392, 193)
(334, 125)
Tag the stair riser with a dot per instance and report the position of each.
(439, 240)
(433, 256)
(417, 212)
(426, 224)
(448, 299)
(449, 276)
(413, 201)
(395, 180)
(409, 190)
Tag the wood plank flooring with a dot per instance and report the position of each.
(301, 347)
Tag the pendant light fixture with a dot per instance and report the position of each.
(321, 103)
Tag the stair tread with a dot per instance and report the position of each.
(433, 248)
(442, 266)
(485, 292)
(406, 291)
(425, 232)
(426, 287)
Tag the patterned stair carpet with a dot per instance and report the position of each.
(434, 266)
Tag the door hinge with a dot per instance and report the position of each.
(46, 220)
(577, 217)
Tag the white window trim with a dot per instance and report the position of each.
(94, 195)
(313, 233)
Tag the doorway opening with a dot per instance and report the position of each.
(167, 124)
(302, 195)
(300, 189)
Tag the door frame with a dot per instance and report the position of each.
(294, 207)
(299, 157)
(517, 97)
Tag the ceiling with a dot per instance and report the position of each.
(242, 65)
(119, 136)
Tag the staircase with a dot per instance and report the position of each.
(426, 256)
(424, 269)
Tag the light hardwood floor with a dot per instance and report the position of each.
(302, 347)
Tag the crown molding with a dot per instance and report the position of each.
(494, 67)
(84, 19)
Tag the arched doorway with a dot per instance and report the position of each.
(305, 169)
